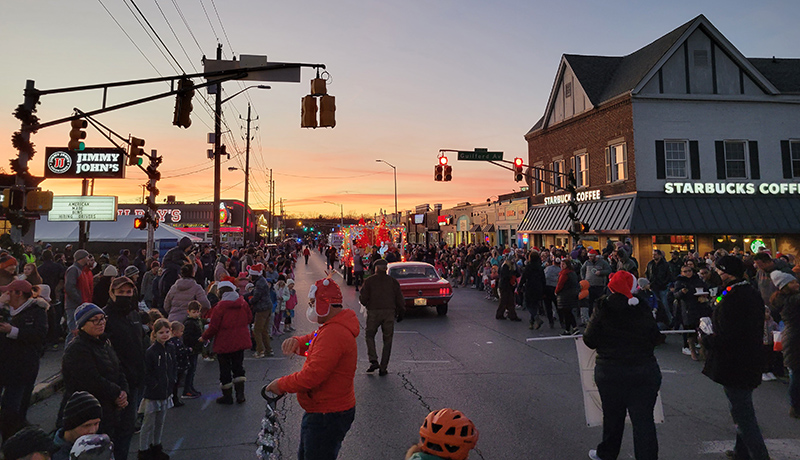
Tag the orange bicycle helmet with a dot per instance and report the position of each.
(448, 433)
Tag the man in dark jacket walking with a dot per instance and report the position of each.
(659, 275)
(124, 331)
(734, 356)
(23, 328)
(532, 285)
(383, 299)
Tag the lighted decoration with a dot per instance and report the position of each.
(223, 213)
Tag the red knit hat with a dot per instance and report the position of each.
(326, 294)
(621, 282)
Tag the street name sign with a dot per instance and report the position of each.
(88, 208)
(480, 155)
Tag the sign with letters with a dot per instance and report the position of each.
(731, 188)
(89, 163)
(88, 208)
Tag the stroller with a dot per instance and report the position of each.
(268, 437)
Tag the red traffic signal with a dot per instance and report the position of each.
(140, 223)
(442, 160)
(518, 175)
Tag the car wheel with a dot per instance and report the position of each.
(441, 310)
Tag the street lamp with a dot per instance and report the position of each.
(217, 160)
(341, 209)
(396, 217)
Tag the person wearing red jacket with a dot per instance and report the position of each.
(230, 327)
(324, 386)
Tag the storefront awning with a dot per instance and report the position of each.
(488, 228)
(475, 228)
(653, 214)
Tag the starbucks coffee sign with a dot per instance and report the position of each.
(731, 188)
(90, 163)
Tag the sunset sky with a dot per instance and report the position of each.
(409, 78)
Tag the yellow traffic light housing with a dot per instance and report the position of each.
(308, 113)
(438, 173)
(13, 198)
(448, 173)
(77, 134)
(327, 111)
(136, 151)
(39, 200)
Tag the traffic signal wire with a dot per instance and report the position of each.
(129, 38)
(156, 34)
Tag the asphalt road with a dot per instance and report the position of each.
(524, 396)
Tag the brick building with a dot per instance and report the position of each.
(685, 144)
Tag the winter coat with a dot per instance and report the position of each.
(19, 356)
(532, 282)
(627, 263)
(181, 352)
(220, 272)
(281, 295)
(230, 326)
(659, 274)
(325, 384)
(52, 273)
(261, 300)
(734, 355)
(596, 279)
(622, 334)
(691, 309)
(193, 329)
(180, 294)
(124, 331)
(789, 308)
(64, 446)
(382, 292)
(160, 372)
(507, 279)
(100, 295)
(147, 285)
(90, 364)
(567, 289)
(551, 275)
(765, 285)
(73, 294)
(173, 261)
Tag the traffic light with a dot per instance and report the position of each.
(327, 111)
(140, 223)
(439, 170)
(518, 176)
(448, 173)
(136, 151)
(39, 200)
(583, 227)
(308, 113)
(76, 134)
(183, 103)
(13, 198)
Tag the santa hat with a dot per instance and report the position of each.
(327, 293)
(622, 282)
(256, 269)
(594, 252)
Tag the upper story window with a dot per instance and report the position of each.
(795, 149)
(559, 179)
(538, 187)
(582, 169)
(616, 162)
(735, 160)
(676, 159)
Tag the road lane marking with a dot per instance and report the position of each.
(553, 337)
(779, 449)
(406, 332)
(176, 446)
(425, 362)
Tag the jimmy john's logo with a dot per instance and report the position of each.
(104, 163)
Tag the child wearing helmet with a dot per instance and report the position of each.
(444, 434)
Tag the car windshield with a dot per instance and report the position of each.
(413, 272)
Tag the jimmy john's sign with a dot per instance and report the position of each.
(90, 163)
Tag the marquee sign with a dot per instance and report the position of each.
(87, 208)
(90, 163)
(731, 188)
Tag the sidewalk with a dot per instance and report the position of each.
(49, 380)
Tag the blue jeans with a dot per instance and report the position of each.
(633, 390)
(188, 384)
(321, 435)
(662, 296)
(749, 441)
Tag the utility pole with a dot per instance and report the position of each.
(153, 176)
(246, 177)
(217, 160)
(271, 206)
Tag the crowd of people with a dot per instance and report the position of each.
(135, 327)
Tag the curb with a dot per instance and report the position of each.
(47, 388)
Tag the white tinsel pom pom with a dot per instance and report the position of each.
(633, 301)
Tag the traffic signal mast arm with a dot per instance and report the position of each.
(97, 125)
(219, 77)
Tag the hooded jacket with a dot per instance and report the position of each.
(230, 326)
(21, 348)
(734, 352)
(160, 375)
(325, 384)
(622, 334)
(261, 300)
(567, 289)
(180, 294)
(789, 308)
(124, 331)
(603, 270)
(691, 310)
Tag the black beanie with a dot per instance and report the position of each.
(81, 408)
(27, 441)
(731, 265)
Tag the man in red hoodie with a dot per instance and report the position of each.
(324, 386)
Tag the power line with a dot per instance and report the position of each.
(129, 38)
(183, 18)
(209, 21)
(150, 37)
(175, 35)
(156, 34)
(222, 25)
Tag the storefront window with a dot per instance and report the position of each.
(668, 243)
(746, 243)
(594, 242)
